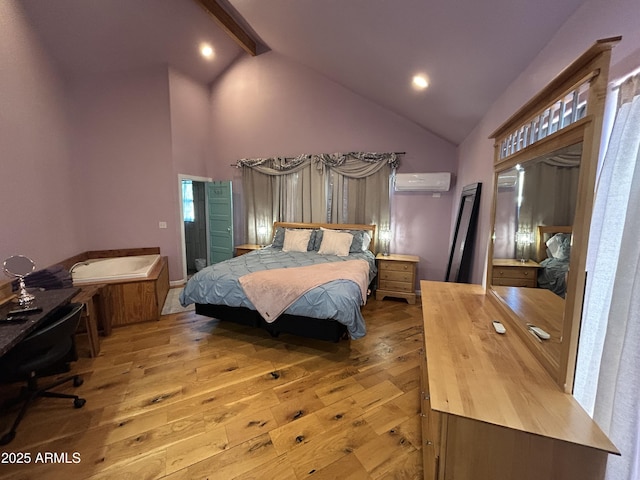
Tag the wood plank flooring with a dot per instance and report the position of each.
(191, 398)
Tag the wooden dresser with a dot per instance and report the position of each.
(514, 273)
(489, 410)
(397, 276)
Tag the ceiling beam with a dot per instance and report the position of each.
(229, 25)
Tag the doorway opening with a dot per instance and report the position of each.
(195, 228)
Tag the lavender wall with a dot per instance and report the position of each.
(122, 151)
(267, 105)
(88, 164)
(36, 191)
(595, 19)
(190, 118)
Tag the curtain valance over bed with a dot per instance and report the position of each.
(348, 187)
(351, 164)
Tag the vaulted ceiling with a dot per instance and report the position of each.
(471, 50)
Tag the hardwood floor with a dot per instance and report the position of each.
(189, 397)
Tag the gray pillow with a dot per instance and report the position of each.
(278, 238)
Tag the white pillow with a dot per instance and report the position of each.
(335, 243)
(296, 240)
(559, 246)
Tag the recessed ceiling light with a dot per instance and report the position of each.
(206, 50)
(420, 82)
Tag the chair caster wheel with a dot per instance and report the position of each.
(79, 402)
(7, 438)
(77, 381)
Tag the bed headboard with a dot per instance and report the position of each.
(332, 226)
(544, 233)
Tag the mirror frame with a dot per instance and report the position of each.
(11, 273)
(592, 67)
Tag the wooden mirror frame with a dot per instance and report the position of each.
(591, 67)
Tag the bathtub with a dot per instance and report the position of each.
(114, 269)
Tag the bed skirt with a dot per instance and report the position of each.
(320, 329)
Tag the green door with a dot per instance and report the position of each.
(220, 214)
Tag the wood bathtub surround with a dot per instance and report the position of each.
(490, 409)
(131, 300)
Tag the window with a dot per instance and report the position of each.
(187, 201)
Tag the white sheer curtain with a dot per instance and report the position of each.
(607, 381)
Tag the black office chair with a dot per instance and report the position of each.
(38, 355)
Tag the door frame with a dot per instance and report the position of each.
(183, 243)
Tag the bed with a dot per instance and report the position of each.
(331, 270)
(553, 252)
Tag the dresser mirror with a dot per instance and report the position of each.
(535, 206)
(545, 163)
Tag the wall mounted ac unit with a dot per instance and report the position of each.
(507, 180)
(422, 182)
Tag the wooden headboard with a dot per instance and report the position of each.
(544, 233)
(332, 226)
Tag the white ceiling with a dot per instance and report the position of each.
(470, 49)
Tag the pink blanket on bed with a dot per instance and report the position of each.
(273, 291)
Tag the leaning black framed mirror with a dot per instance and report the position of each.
(545, 161)
(462, 246)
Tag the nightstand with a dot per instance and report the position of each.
(510, 272)
(246, 248)
(397, 276)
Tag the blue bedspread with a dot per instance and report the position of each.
(338, 300)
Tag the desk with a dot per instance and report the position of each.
(12, 332)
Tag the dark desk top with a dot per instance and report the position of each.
(12, 332)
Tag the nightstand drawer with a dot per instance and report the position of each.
(396, 276)
(514, 282)
(515, 272)
(395, 286)
(396, 266)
